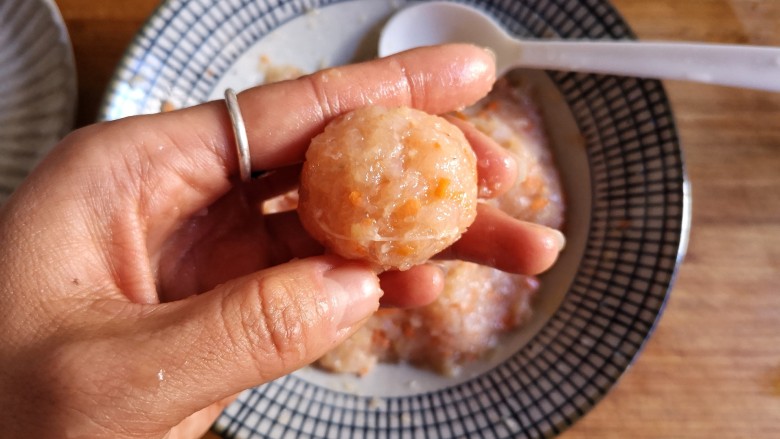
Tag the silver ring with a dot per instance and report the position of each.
(239, 132)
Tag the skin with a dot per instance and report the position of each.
(141, 288)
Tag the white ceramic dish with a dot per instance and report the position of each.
(37, 86)
(626, 225)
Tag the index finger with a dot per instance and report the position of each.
(285, 117)
(282, 118)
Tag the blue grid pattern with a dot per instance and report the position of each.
(630, 260)
(37, 97)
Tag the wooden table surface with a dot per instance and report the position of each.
(712, 368)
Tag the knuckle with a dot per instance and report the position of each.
(409, 84)
(274, 321)
(327, 100)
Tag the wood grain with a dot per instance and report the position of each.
(712, 368)
(100, 31)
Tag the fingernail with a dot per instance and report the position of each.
(356, 289)
(552, 237)
(490, 52)
(559, 238)
(494, 60)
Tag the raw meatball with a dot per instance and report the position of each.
(389, 186)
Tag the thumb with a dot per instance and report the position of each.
(259, 327)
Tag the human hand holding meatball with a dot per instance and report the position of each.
(141, 288)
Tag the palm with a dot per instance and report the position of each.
(232, 238)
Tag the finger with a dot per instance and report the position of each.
(496, 168)
(418, 286)
(498, 240)
(256, 328)
(187, 157)
(221, 245)
(286, 115)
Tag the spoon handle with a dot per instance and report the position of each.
(740, 66)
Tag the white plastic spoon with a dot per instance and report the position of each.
(445, 22)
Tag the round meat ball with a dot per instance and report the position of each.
(391, 186)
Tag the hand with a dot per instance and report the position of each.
(141, 288)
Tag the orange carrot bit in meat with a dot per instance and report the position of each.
(354, 198)
(405, 250)
(442, 186)
(410, 207)
(405, 212)
(414, 143)
(380, 339)
(533, 184)
(539, 203)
